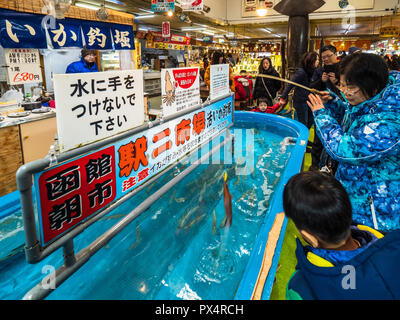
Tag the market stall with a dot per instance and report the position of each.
(34, 47)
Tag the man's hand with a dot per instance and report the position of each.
(325, 77)
(332, 78)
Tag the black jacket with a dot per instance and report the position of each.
(273, 86)
(300, 77)
(317, 83)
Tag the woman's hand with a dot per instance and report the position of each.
(325, 96)
(315, 102)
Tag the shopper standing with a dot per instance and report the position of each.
(309, 62)
(327, 77)
(264, 87)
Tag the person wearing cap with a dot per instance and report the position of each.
(354, 50)
(87, 63)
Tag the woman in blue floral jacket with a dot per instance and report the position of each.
(362, 133)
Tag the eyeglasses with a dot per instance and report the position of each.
(349, 91)
(326, 57)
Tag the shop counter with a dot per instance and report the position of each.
(23, 140)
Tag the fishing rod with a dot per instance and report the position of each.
(315, 91)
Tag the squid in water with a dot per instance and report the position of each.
(227, 222)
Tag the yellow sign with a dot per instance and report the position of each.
(389, 32)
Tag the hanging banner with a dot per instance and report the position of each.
(97, 35)
(174, 39)
(219, 80)
(180, 89)
(65, 33)
(162, 5)
(20, 30)
(192, 5)
(208, 39)
(23, 66)
(122, 36)
(97, 105)
(76, 190)
(166, 29)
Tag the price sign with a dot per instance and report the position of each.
(23, 66)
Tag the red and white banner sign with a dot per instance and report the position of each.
(174, 39)
(72, 192)
(166, 30)
(192, 5)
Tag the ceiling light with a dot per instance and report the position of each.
(261, 9)
(208, 33)
(170, 13)
(145, 16)
(192, 29)
(145, 10)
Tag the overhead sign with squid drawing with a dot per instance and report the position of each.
(180, 89)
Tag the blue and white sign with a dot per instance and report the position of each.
(65, 33)
(20, 30)
(162, 5)
(122, 36)
(97, 35)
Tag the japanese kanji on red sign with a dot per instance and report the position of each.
(74, 191)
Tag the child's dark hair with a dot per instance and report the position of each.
(367, 71)
(318, 204)
(260, 100)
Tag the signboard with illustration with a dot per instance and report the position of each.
(23, 66)
(76, 190)
(192, 5)
(94, 106)
(219, 80)
(162, 5)
(180, 89)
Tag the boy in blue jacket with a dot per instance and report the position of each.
(340, 260)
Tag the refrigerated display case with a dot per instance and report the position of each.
(109, 60)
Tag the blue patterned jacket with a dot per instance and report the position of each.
(365, 140)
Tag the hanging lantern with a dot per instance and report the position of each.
(102, 13)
